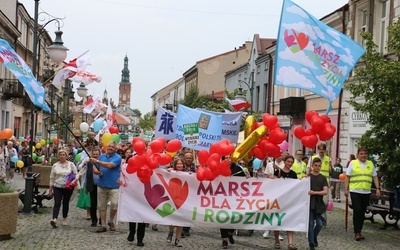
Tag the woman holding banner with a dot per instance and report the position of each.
(285, 172)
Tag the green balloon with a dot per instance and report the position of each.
(78, 157)
(34, 156)
(116, 137)
(39, 159)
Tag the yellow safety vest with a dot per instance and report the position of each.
(324, 166)
(299, 170)
(361, 179)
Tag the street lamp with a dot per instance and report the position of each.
(56, 52)
(82, 92)
(250, 86)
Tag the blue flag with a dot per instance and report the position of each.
(165, 124)
(13, 62)
(196, 129)
(311, 55)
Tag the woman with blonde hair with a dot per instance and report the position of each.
(60, 188)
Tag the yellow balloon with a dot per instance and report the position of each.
(38, 145)
(172, 154)
(43, 142)
(250, 125)
(249, 143)
(20, 164)
(106, 138)
(33, 149)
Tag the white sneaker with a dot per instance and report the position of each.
(266, 234)
(280, 238)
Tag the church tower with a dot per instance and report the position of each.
(125, 86)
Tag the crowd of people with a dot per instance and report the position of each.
(97, 176)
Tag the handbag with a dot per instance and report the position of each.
(71, 177)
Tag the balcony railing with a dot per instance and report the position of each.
(12, 88)
(294, 107)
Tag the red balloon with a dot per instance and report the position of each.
(299, 132)
(203, 155)
(139, 146)
(310, 132)
(325, 118)
(214, 148)
(135, 161)
(259, 153)
(153, 161)
(309, 115)
(145, 180)
(213, 161)
(173, 145)
(210, 176)
(148, 152)
(328, 132)
(135, 139)
(144, 172)
(130, 169)
(225, 169)
(259, 124)
(309, 141)
(157, 146)
(114, 130)
(276, 152)
(141, 159)
(317, 124)
(165, 159)
(269, 120)
(225, 147)
(277, 136)
(201, 173)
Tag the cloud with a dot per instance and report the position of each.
(296, 10)
(334, 34)
(298, 57)
(305, 70)
(289, 77)
(329, 93)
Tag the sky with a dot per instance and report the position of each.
(162, 38)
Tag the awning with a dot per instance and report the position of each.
(121, 119)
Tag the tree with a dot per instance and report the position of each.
(148, 121)
(378, 82)
(137, 112)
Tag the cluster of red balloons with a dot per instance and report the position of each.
(148, 159)
(211, 165)
(269, 144)
(321, 129)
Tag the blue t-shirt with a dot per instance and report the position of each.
(110, 175)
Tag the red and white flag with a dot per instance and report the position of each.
(239, 104)
(110, 117)
(91, 104)
(85, 77)
(69, 70)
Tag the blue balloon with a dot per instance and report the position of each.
(75, 151)
(97, 125)
(21, 138)
(257, 163)
(14, 158)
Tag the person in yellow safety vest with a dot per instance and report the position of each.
(326, 168)
(359, 176)
(299, 167)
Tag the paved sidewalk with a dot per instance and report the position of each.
(34, 232)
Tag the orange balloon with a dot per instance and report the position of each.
(342, 177)
(6, 133)
(55, 140)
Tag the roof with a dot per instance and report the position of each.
(120, 119)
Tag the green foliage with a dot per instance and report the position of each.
(148, 121)
(6, 188)
(379, 83)
(137, 112)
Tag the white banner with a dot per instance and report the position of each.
(165, 124)
(178, 198)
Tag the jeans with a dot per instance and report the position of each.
(315, 225)
(360, 203)
(64, 195)
(93, 204)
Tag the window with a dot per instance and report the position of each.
(266, 65)
(276, 93)
(258, 69)
(124, 97)
(383, 25)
